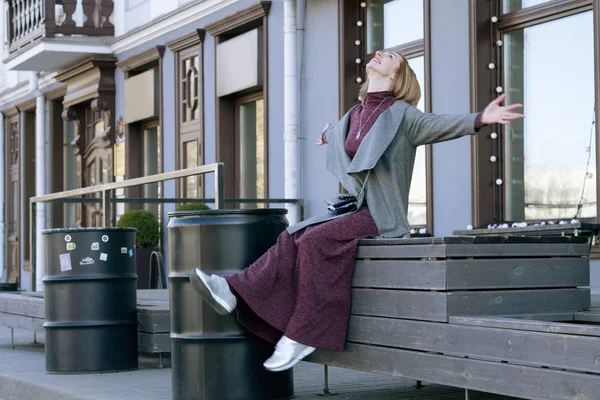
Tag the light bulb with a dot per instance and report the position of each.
(499, 43)
(498, 181)
(358, 60)
(359, 98)
(499, 89)
(491, 65)
(589, 175)
(359, 80)
(423, 230)
(494, 135)
(413, 231)
(588, 149)
(357, 43)
(582, 200)
(493, 158)
(363, 4)
(494, 19)
(469, 227)
(359, 23)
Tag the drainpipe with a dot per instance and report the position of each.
(40, 178)
(2, 200)
(290, 108)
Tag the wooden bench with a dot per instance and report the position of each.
(476, 313)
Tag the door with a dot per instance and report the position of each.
(12, 200)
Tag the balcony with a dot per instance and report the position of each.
(48, 35)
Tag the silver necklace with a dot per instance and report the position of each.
(360, 128)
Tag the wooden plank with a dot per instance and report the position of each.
(154, 343)
(22, 305)
(22, 322)
(500, 302)
(422, 305)
(412, 241)
(517, 273)
(526, 325)
(400, 274)
(517, 250)
(578, 353)
(492, 377)
(587, 316)
(153, 320)
(402, 252)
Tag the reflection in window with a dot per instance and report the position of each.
(391, 23)
(514, 5)
(546, 154)
(91, 173)
(252, 159)
(191, 160)
(417, 198)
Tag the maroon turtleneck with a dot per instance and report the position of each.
(364, 117)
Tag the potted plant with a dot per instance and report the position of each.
(146, 240)
(192, 207)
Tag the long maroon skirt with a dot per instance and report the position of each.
(300, 287)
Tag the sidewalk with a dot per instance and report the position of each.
(22, 377)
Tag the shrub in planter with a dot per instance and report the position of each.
(146, 224)
(192, 207)
(146, 240)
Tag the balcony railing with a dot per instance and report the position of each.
(28, 21)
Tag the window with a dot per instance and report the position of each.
(545, 165)
(251, 149)
(391, 23)
(399, 25)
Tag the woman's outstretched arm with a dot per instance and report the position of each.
(424, 128)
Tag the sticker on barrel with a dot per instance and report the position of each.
(95, 246)
(130, 252)
(67, 238)
(123, 250)
(105, 238)
(71, 246)
(103, 256)
(65, 262)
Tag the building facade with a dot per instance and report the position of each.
(96, 91)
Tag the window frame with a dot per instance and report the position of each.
(488, 198)
(349, 70)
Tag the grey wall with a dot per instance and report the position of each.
(450, 95)
(319, 100)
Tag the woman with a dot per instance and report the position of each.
(298, 293)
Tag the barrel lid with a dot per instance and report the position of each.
(96, 229)
(252, 211)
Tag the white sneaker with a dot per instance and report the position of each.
(215, 290)
(287, 354)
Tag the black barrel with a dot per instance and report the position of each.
(90, 300)
(213, 356)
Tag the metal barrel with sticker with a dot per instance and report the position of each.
(213, 356)
(90, 300)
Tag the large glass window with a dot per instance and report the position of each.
(391, 23)
(549, 157)
(417, 199)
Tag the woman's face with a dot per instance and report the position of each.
(385, 64)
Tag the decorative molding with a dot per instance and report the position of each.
(97, 61)
(28, 105)
(240, 18)
(188, 40)
(141, 59)
(10, 112)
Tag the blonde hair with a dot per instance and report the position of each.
(406, 87)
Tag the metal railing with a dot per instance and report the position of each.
(68, 197)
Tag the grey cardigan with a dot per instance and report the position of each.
(388, 150)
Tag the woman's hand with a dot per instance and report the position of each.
(320, 141)
(495, 113)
